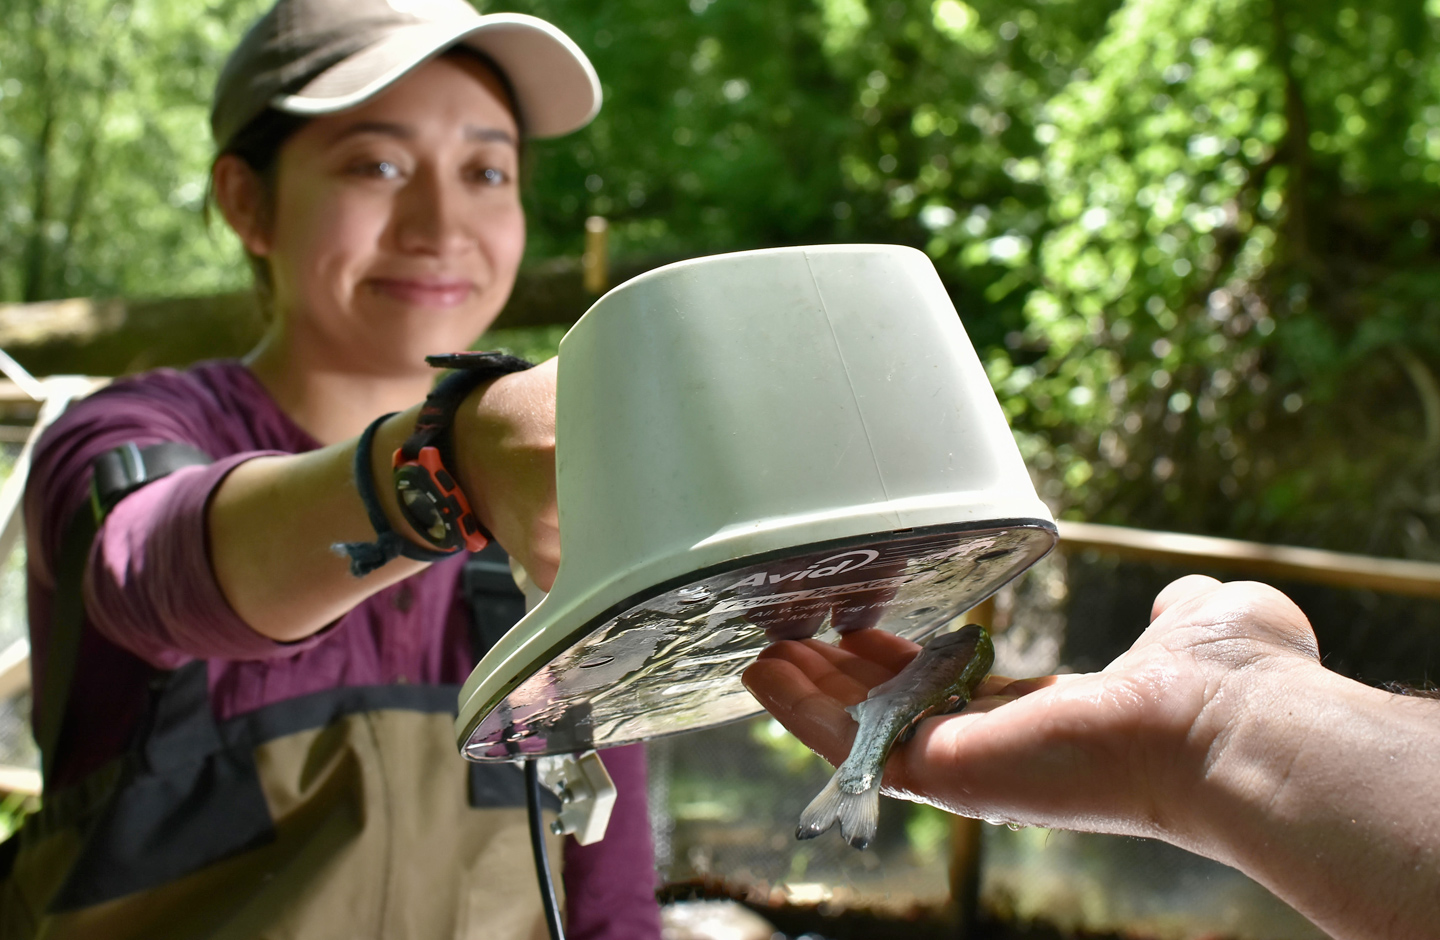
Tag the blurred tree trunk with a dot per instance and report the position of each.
(32, 287)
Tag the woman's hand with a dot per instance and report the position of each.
(505, 445)
(1120, 751)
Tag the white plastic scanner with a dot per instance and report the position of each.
(751, 447)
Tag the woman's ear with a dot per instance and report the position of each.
(241, 196)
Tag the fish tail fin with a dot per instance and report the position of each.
(857, 813)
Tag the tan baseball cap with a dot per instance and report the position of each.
(313, 57)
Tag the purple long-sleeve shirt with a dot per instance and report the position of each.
(153, 600)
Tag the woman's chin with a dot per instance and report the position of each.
(433, 323)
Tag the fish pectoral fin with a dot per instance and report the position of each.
(909, 731)
(953, 704)
(854, 710)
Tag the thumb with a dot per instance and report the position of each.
(1190, 587)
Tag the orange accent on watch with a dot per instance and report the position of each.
(433, 503)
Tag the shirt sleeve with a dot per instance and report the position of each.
(148, 586)
(610, 885)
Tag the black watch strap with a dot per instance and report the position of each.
(432, 429)
(471, 370)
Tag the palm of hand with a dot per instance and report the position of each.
(1113, 751)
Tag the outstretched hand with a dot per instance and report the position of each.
(1114, 751)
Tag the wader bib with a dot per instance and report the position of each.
(342, 814)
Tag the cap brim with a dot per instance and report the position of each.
(555, 85)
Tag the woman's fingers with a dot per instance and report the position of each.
(861, 610)
(811, 714)
(819, 669)
(865, 671)
(881, 647)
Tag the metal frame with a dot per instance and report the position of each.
(54, 394)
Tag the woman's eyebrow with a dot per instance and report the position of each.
(385, 128)
(488, 134)
(402, 132)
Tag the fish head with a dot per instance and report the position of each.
(964, 642)
(970, 644)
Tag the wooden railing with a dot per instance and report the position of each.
(1276, 562)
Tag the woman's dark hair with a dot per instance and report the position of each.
(258, 144)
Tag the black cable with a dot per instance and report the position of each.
(542, 859)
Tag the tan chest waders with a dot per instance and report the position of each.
(345, 813)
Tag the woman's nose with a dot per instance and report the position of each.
(430, 218)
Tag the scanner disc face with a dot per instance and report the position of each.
(671, 661)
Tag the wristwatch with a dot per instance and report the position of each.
(430, 498)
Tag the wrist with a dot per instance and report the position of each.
(1245, 743)
(473, 428)
(388, 437)
(431, 491)
(504, 437)
(1325, 795)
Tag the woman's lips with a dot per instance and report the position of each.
(424, 292)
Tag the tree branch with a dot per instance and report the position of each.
(1295, 145)
(1428, 391)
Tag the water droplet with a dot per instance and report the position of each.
(693, 595)
(1013, 826)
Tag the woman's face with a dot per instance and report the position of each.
(397, 227)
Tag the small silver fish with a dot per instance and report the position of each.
(940, 679)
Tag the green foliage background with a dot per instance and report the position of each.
(1194, 242)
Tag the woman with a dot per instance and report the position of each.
(254, 716)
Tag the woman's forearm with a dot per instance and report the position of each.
(274, 520)
(273, 523)
(1328, 793)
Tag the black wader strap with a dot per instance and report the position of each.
(117, 473)
(495, 603)
(62, 650)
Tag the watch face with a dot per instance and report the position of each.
(421, 509)
(424, 506)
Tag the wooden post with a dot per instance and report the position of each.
(965, 860)
(596, 261)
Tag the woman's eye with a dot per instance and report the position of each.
(490, 176)
(380, 169)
